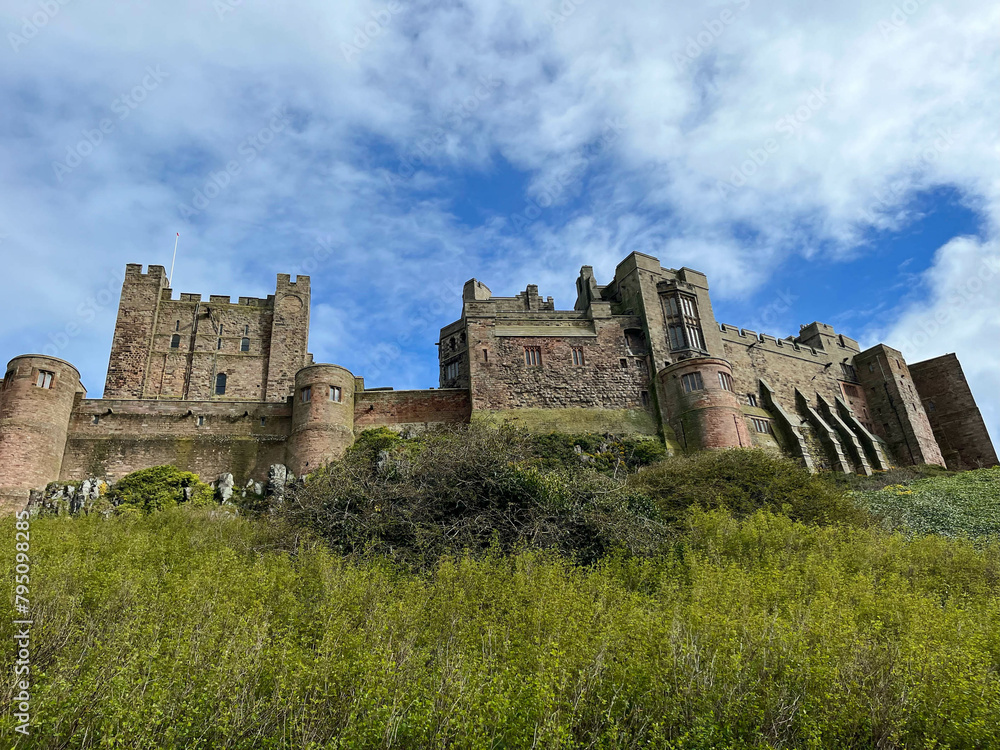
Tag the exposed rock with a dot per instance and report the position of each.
(277, 477)
(225, 487)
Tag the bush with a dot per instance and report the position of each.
(157, 488)
(192, 629)
(745, 481)
(467, 488)
(605, 453)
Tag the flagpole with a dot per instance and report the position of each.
(170, 278)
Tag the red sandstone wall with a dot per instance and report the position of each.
(951, 408)
(414, 409)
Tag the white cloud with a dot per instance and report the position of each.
(835, 115)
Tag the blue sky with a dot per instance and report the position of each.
(831, 162)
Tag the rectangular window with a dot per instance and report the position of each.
(44, 379)
(761, 425)
(533, 355)
(644, 395)
(486, 356)
(849, 373)
(201, 421)
(694, 336)
(175, 341)
(751, 399)
(451, 370)
(246, 330)
(263, 421)
(726, 381)
(578, 355)
(675, 336)
(851, 390)
(307, 394)
(683, 324)
(96, 419)
(335, 393)
(692, 382)
(244, 344)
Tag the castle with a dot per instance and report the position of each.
(220, 386)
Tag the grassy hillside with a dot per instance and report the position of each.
(698, 603)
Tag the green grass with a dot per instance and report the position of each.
(189, 628)
(962, 504)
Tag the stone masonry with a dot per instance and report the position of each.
(218, 387)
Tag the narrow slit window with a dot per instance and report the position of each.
(486, 356)
(201, 421)
(263, 421)
(218, 344)
(177, 326)
(335, 393)
(644, 395)
(246, 330)
(220, 384)
(44, 379)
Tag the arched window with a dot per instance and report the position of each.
(175, 341)
(220, 384)
(244, 344)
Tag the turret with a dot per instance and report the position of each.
(322, 416)
(699, 404)
(35, 408)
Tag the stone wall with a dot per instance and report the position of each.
(413, 410)
(955, 419)
(896, 406)
(109, 438)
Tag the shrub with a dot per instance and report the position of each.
(157, 488)
(744, 481)
(467, 488)
(602, 452)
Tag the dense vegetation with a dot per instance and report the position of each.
(489, 589)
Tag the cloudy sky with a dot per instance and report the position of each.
(819, 161)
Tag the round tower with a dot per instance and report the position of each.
(35, 409)
(699, 404)
(322, 416)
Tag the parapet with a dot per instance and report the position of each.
(475, 290)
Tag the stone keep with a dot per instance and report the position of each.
(219, 388)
